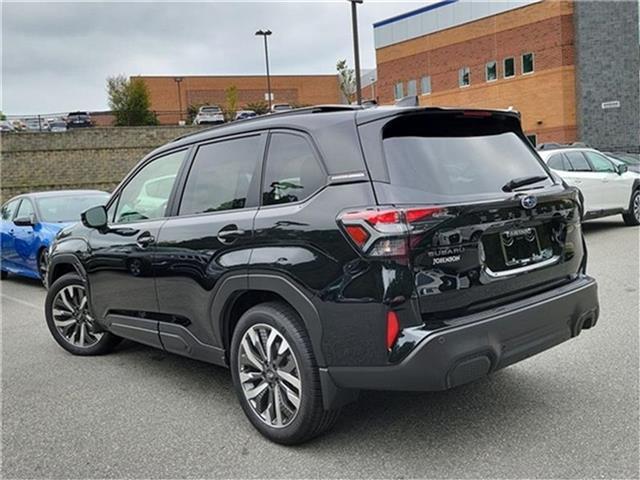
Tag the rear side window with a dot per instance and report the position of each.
(447, 167)
(292, 172)
(221, 176)
(557, 162)
(578, 162)
(8, 209)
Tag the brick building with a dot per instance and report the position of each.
(168, 96)
(571, 69)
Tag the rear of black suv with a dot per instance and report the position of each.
(477, 250)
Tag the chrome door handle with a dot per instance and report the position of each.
(144, 241)
(230, 233)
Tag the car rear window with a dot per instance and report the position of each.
(454, 166)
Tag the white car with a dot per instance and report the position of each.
(608, 187)
(209, 115)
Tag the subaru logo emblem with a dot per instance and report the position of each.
(529, 202)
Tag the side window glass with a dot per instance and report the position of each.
(25, 209)
(221, 176)
(600, 164)
(8, 209)
(146, 195)
(578, 162)
(557, 162)
(292, 172)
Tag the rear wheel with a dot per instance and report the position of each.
(632, 217)
(43, 258)
(70, 321)
(276, 377)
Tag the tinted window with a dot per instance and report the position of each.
(557, 162)
(492, 71)
(578, 162)
(600, 163)
(412, 88)
(398, 91)
(146, 195)
(453, 166)
(221, 175)
(292, 172)
(67, 208)
(426, 85)
(8, 209)
(464, 76)
(25, 209)
(527, 63)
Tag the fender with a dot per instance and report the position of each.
(65, 258)
(271, 283)
(634, 187)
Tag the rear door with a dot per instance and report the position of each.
(7, 247)
(587, 181)
(473, 241)
(208, 240)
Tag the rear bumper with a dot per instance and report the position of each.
(483, 343)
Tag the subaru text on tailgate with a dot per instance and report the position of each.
(327, 250)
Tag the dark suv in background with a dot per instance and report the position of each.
(328, 250)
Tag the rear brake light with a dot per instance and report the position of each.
(476, 113)
(393, 329)
(385, 232)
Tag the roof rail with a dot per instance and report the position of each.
(556, 146)
(285, 113)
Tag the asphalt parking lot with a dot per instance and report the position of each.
(571, 412)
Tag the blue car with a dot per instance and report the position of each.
(31, 221)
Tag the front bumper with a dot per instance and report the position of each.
(483, 342)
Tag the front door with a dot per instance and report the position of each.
(25, 240)
(207, 241)
(120, 267)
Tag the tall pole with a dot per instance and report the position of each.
(178, 80)
(265, 34)
(356, 48)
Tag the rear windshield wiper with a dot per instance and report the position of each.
(522, 181)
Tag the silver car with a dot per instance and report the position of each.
(209, 115)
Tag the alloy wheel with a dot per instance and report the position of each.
(636, 207)
(43, 265)
(269, 375)
(72, 319)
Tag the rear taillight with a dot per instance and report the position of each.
(393, 329)
(385, 232)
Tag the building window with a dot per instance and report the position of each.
(491, 71)
(464, 77)
(509, 67)
(533, 138)
(527, 63)
(425, 85)
(398, 91)
(412, 88)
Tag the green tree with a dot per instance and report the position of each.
(129, 101)
(231, 107)
(2, 116)
(260, 107)
(347, 79)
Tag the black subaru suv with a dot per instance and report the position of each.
(328, 250)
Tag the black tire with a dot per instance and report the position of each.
(3, 275)
(310, 419)
(632, 217)
(95, 342)
(42, 266)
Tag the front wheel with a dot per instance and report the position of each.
(71, 323)
(43, 259)
(632, 217)
(276, 377)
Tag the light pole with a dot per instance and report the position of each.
(356, 48)
(265, 34)
(178, 80)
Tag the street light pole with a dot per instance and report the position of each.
(178, 80)
(265, 34)
(356, 48)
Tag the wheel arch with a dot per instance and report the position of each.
(238, 294)
(62, 264)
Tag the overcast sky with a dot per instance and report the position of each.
(56, 56)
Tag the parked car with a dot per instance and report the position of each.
(244, 114)
(332, 250)
(209, 115)
(36, 124)
(6, 126)
(79, 120)
(631, 160)
(280, 107)
(18, 125)
(29, 223)
(58, 126)
(606, 185)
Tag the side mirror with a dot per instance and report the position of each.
(95, 217)
(622, 168)
(28, 221)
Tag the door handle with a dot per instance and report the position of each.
(229, 234)
(145, 240)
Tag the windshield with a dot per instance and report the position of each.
(628, 158)
(67, 208)
(210, 110)
(450, 167)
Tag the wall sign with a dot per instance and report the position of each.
(612, 104)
